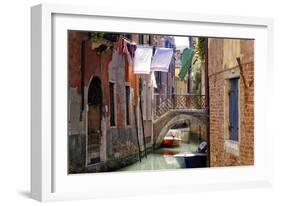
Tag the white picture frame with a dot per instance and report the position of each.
(49, 179)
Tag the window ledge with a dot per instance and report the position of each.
(231, 147)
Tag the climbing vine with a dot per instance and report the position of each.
(196, 76)
(200, 47)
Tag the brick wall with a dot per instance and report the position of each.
(109, 66)
(222, 66)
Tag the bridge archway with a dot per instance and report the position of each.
(162, 126)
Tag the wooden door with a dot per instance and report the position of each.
(94, 120)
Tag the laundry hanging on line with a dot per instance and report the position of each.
(139, 55)
(125, 47)
(186, 60)
(142, 59)
(162, 59)
(153, 80)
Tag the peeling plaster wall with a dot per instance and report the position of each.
(75, 125)
(76, 128)
(118, 141)
(123, 137)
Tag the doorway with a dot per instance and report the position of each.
(94, 120)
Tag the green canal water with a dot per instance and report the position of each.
(162, 158)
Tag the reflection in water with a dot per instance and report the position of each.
(162, 158)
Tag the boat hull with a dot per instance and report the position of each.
(192, 160)
(170, 143)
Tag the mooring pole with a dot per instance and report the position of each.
(136, 125)
(141, 114)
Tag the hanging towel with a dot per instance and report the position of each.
(162, 59)
(142, 59)
(153, 80)
(186, 60)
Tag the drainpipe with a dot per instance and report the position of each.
(136, 125)
(82, 74)
(82, 84)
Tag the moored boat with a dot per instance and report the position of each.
(194, 159)
(172, 139)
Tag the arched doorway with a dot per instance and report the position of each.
(94, 120)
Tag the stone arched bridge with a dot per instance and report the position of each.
(177, 109)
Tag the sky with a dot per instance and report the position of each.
(181, 41)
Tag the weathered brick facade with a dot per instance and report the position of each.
(223, 66)
(115, 141)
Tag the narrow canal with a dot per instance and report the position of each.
(163, 158)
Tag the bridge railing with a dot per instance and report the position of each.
(164, 104)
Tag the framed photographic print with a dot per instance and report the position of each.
(138, 102)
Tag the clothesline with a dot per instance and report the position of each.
(128, 41)
(143, 59)
(159, 61)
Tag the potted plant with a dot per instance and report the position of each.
(97, 39)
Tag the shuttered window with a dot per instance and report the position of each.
(233, 109)
(112, 104)
(141, 39)
(128, 103)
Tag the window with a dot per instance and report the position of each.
(159, 78)
(141, 39)
(128, 36)
(112, 104)
(148, 104)
(128, 105)
(149, 39)
(167, 44)
(233, 109)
